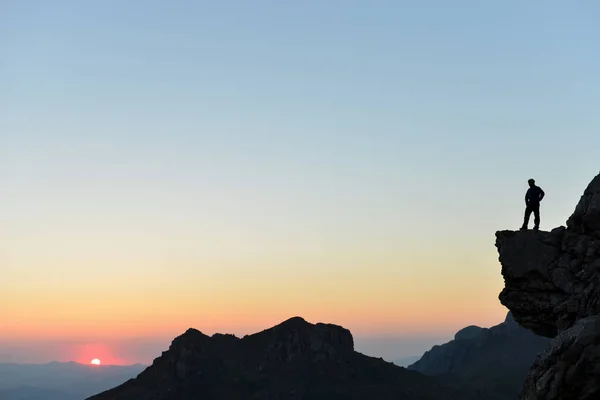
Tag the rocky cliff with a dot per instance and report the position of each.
(495, 360)
(552, 287)
(293, 360)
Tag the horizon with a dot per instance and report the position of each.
(226, 166)
(144, 350)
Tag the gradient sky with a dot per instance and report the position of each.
(227, 165)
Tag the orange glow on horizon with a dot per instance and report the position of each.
(372, 296)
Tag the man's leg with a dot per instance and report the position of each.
(528, 211)
(536, 217)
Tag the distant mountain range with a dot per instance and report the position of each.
(294, 360)
(495, 360)
(60, 381)
(33, 393)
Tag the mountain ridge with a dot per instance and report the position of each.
(495, 359)
(292, 360)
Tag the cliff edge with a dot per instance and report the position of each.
(552, 287)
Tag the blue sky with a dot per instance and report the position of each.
(290, 132)
(392, 96)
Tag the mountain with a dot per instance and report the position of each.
(293, 360)
(495, 360)
(60, 381)
(552, 287)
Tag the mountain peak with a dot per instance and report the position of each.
(296, 338)
(293, 360)
(295, 320)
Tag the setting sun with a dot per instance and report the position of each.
(95, 361)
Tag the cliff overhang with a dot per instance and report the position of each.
(552, 287)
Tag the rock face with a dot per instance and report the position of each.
(293, 360)
(552, 287)
(495, 360)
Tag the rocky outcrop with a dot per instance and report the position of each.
(293, 360)
(552, 287)
(495, 360)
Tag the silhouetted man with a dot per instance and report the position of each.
(533, 197)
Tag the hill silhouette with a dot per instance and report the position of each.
(293, 360)
(495, 360)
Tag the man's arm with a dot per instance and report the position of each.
(542, 194)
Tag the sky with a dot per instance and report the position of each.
(228, 165)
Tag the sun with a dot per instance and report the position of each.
(95, 361)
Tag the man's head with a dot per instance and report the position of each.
(531, 182)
